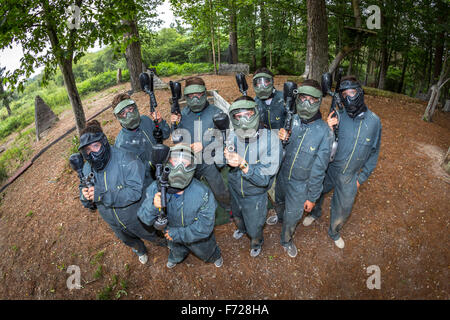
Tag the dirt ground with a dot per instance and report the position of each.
(400, 222)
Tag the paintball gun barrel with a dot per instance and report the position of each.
(289, 94)
(242, 83)
(146, 83)
(159, 157)
(222, 122)
(175, 88)
(76, 163)
(326, 83)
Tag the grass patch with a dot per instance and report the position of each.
(98, 256)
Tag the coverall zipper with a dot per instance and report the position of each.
(242, 188)
(296, 154)
(114, 210)
(356, 141)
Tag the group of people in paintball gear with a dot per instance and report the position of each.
(145, 190)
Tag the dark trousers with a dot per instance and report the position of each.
(206, 249)
(345, 190)
(249, 214)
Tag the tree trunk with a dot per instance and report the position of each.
(212, 36)
(341, 55)
(218, 45)
(350, 65)
(384, 66)
(402, 79)
(317, 40)
(133, 56)
(435, 91)
(264, 31)
(233, 33)
(253, 40)
(75, 101)
(6, 104)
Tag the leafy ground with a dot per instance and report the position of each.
(399, 222)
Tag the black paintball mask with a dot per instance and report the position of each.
(98, 160)
(353, 99)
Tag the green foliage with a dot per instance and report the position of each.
(170, 68)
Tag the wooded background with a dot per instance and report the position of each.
(407, 54)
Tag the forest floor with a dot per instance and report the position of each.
(400, 223)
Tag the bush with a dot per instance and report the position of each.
(166, 69)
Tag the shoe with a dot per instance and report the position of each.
(272, 220)
(170, 265)
(143, 258)
(291, 250)
(308, 220)
(237, 234)
(219, 262)
(255, 252)
(340, 243)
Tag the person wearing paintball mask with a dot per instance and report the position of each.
(269, 100)
(190, 211)
(356, 157)
(254, 163)
(197, 119)
(136, 135)
(299, 182)
(118, 188)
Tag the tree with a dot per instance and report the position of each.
(4, 95)
(317, 41)
(57, 34)
(233, 32)
(435, 90)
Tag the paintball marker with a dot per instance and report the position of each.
(222, 122)
(242, 83)
(146, 82)
(289, 93)
(175, 88)
(159, 156)
(76, 163)
(336, 100)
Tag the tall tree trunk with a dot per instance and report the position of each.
(133, 55)
(6, 104)
(218, 45)
(65, 59)
(435, 92)
(440, 39)
(253, 39)
(233, 32)
(402, 78)
(384, 65)
(350, 65)
(264, 31)
(317, 40)
(212, 36)
(65, 66)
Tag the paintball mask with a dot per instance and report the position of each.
(95, 149)
(308, 102)
(244, 115)
(195, 95)
(352, 96)
(128, 114)
(263, 85)
(182, 166)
